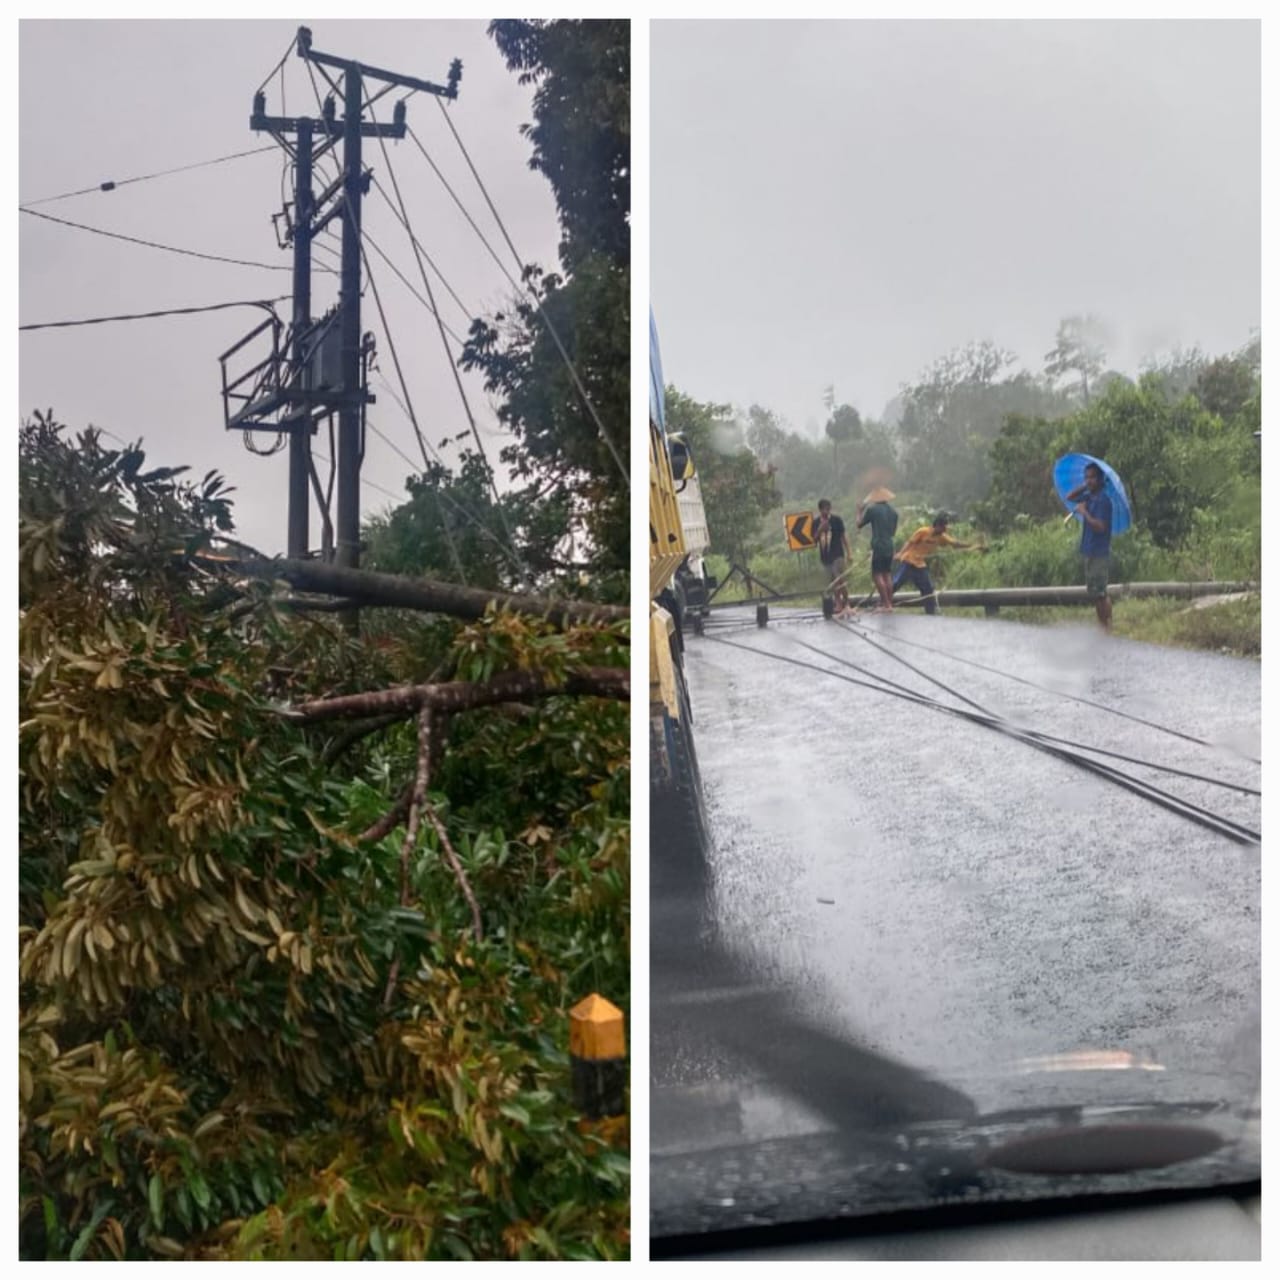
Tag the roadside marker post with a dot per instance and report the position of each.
(598, 1055)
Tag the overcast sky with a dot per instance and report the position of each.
(114, 99)
(848, 201)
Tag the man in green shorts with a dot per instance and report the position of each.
(1095, 539)
(883, 519)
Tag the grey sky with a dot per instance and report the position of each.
(113, 99)
(847, 201)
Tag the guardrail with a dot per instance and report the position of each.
(992, 598)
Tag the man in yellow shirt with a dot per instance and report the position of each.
(915, 554)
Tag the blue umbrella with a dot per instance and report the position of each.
(1068, 475)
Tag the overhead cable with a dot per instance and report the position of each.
(448, 355)
(462, 306)
(152, 315)
(407, 405)
(555, 337)
(153, 244)
(413, 417)
(373, 244)
(112, 184)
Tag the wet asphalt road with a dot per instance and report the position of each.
(937, 893)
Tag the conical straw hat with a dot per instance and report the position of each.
(880, 495)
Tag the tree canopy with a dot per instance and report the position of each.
(571, 423)
(301, 914)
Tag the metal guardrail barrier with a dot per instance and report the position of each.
(994, 597)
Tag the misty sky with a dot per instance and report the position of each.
(848, 201)
(114, 99)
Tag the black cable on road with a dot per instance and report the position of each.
(113, 184)
(999, 720)
(154, 244)
(266, 303)
(1099, 706)
(1035, 733)
(1175, 804)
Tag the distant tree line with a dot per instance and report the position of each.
(978, 436)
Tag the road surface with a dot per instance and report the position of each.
(944, 896)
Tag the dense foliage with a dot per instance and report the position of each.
(257, 1020)
(735, 488)
(571, 434)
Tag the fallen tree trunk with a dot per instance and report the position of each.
(424, 594)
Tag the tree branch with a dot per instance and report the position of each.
(417, 803)
(349, 737)
(459, 874)
(460, 695)
(386, 824)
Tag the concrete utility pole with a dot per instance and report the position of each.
(325, 369)
(300, 424)
(355, 183)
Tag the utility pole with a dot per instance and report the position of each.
(300, 424)
(325, 369)
(351, 415)
(355, 183)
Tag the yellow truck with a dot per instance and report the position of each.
(677, 583)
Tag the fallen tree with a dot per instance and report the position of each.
(425, 595)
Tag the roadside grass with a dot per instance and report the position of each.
(1230, 626)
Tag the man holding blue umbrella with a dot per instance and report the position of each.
(1094, 508)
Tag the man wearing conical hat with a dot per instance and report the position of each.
(883, 519)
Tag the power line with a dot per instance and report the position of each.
(395, 497)
(152, 315)
(152, 244)
(407, 284)
(402, 219)
(448, 355)
(555, 337)
(466, 213)
(413, 417)
(111, 185)
(284, 57)
(407, 405)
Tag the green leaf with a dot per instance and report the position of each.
(155, 1198)
(51, 1227)
(514, 1112)
(200, 1192)
(89, 1230)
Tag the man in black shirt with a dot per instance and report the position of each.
(834, 549)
